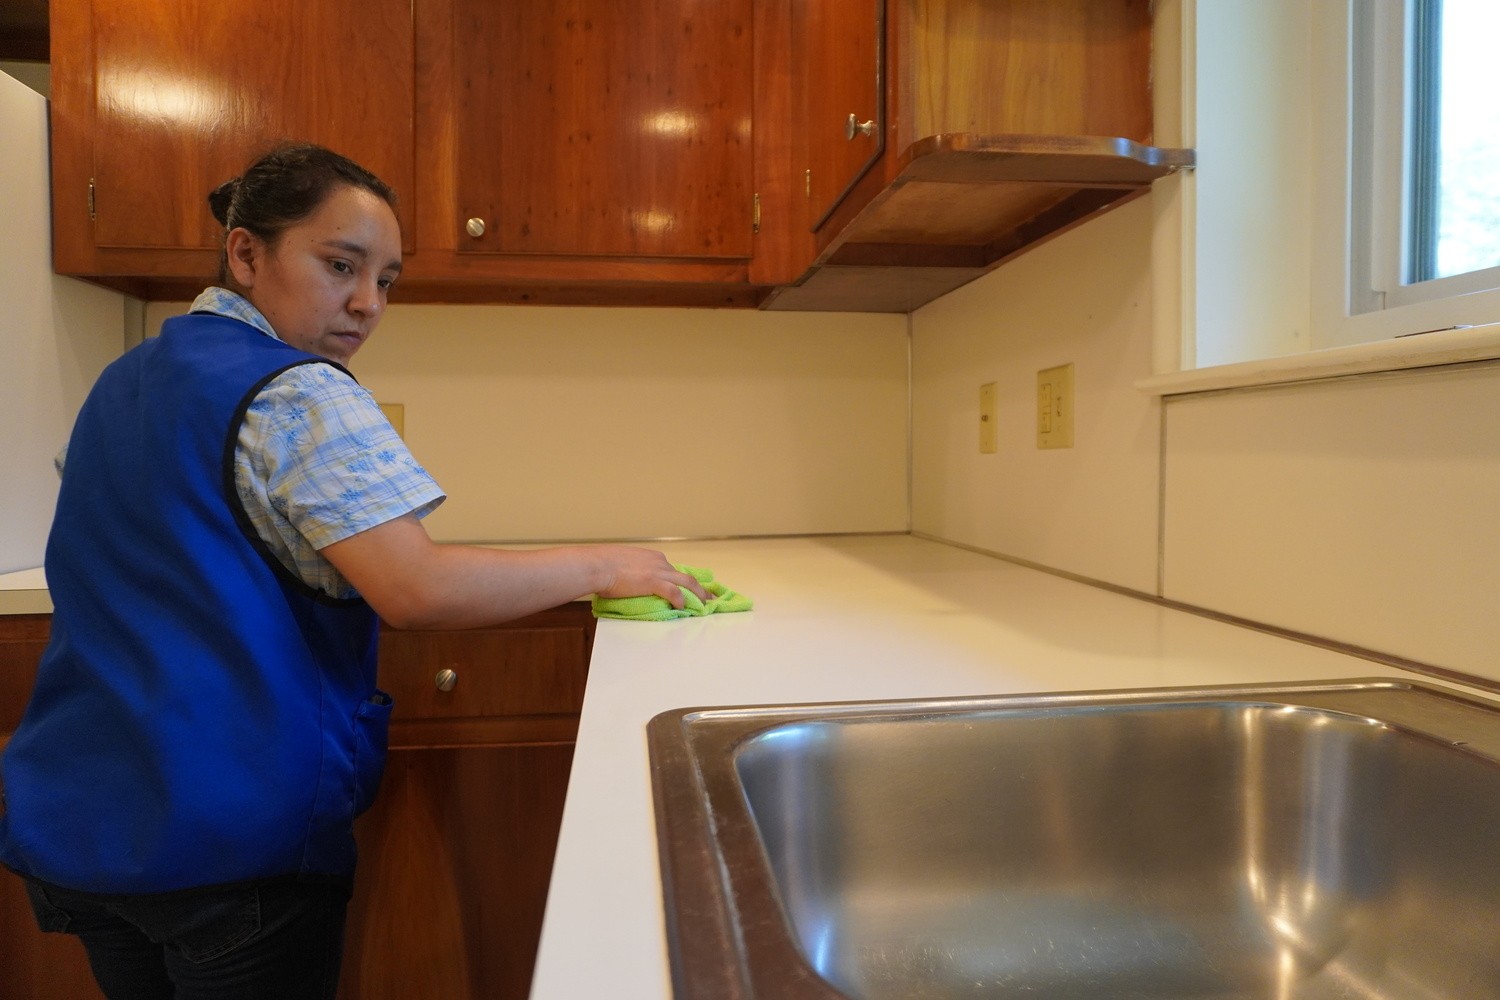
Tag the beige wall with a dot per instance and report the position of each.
(1360, 509)
(1083, 298)
(548, 423)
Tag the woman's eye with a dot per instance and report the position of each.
(386, 283)
(341, 266)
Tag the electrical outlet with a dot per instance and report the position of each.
(396, 414)
(987, 419)
(1054, 407)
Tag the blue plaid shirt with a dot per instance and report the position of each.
(317, 461)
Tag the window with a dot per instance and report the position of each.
(1426, 151)
(1347, 194)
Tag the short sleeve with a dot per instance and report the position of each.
(318, 462)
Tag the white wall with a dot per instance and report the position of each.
(56, 334)
(1359, 509)
(1083, 298)
(545, 423)
(1254, 187)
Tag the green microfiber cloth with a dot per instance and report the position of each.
(651, 608)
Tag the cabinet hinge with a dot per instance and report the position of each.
(92, 216)
(755, 216)
(809, 182)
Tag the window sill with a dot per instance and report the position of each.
(1441, 347)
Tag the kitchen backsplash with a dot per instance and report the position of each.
(1360, 510)
(546, 423)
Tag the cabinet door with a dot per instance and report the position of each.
(841, 53)
(187, 93)
(455, 859)
(456, 854)
(23, 640)
(32, 964)
(605, 128)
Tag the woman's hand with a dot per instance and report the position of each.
(628, 571)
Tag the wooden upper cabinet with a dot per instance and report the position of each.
(1035, 67)
(866, 155)
(157, 103)
(33, 965)
(188, 93)
(841, 47)
(603, 128)
(1004, 123)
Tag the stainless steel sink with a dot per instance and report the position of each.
(1308, 842)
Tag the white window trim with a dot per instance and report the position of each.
(1377, 254)
(1440, 347)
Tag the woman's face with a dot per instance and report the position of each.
(323, 285)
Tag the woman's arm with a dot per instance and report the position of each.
(413, 582)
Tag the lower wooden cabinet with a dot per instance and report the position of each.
(456, 853)
(454, 865)
(33, 965)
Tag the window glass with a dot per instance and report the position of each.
(1465, 190)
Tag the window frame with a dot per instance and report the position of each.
(1394, 133)
(1252, 252)
(1350, 305)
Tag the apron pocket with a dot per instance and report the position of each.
(372, 724)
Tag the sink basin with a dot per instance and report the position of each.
(1289, 842)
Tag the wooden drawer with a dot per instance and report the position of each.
(497, 672)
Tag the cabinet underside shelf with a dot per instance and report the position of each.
(962, 204)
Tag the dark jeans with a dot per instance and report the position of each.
(279, 938)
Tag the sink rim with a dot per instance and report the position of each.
(727, 934)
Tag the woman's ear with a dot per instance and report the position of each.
(244, 252)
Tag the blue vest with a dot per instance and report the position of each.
(201, 716)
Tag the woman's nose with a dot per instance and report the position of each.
(368, 299)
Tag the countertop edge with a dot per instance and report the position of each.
(24, 592)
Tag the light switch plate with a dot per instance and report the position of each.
(1054, 407)
(396, 414)
(987, 419)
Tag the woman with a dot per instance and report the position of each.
(234, 514)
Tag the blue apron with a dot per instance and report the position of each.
(201, 716)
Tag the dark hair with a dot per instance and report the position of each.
(282, 188)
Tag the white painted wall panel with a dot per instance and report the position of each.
(56, 334)
(1363, 510)
(1083, 298)
(547, 423)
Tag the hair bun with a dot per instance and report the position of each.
(220, 199)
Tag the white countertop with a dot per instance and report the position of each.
(839, 619)
(836, 619)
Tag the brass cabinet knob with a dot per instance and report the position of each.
(854, 127)
(474, 227)
(445, 680)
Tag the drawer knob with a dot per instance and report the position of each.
(445, 680)
(474, 227)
